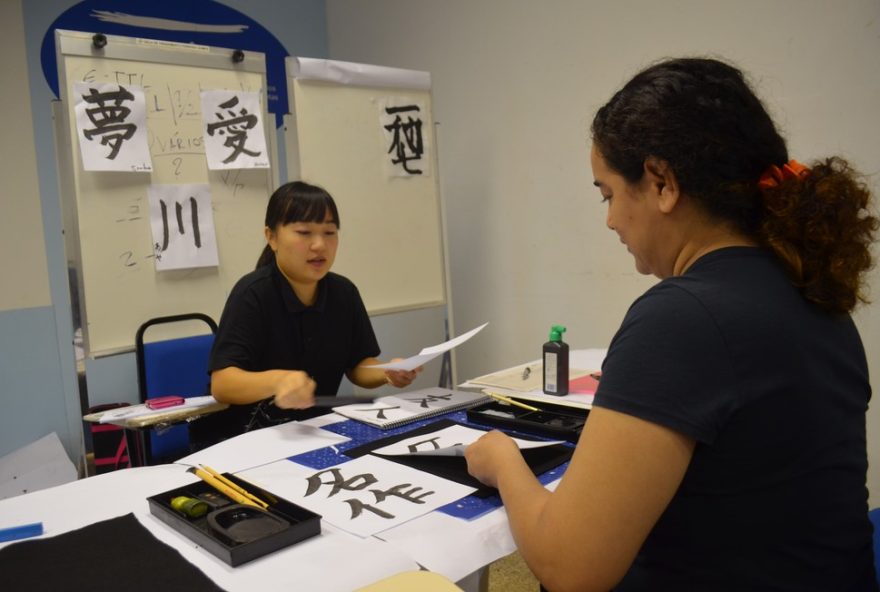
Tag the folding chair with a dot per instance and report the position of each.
(172, 367)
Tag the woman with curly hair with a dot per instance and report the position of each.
(726, 446)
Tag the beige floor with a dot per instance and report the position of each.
(510, 574)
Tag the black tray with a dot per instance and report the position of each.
(302, 523)
(561, 422)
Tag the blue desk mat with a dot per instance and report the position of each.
(467, 508)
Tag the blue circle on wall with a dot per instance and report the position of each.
(203, 22)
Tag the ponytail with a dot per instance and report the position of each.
(267, 257)
(820, 227)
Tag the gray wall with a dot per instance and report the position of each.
(515, 85)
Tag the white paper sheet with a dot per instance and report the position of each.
(263, 446)
(234, 137)
(111, 126)
(182, 225)
(435, 541)
(429, 353)
(363, 496)
(590, 359)
(447, 442)
(356, 74)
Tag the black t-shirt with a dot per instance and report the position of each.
(775, 392)
(264, 326)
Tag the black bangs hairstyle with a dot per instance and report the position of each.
(297, 202)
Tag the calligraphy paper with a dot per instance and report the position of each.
(234, 137)
(111, 126)
(182, 224)
(405, 126)
(362, 496)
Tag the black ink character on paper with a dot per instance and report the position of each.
(429, 444)
(406, 137)
(405, 491)
(425, 401)
(180, 226)
(235, 129)
(380, 411)
(109, 115)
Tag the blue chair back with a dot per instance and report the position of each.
(173, 367)
(874, 515)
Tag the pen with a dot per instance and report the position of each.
(526, 372)
(504, 399)
(221, 487)
(235, 486)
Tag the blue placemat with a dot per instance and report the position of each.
(468, 508)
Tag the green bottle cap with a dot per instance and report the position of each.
(556, 332)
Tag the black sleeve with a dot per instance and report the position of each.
(364, 343)
(240, 337)
(668, 364)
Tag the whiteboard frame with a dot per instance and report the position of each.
(136, 49)
(366, 75)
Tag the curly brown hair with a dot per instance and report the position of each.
(701, 117)
(820, 227)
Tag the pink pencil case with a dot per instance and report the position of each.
(163, 402)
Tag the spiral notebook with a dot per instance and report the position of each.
(397, 410)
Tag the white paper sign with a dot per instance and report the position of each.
(111, 126)
(362, 496)
(182, 225)
(234, 136)
(404, 129)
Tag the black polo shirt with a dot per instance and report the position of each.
(264, 326)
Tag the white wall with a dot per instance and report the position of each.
(516, 83)
(31, 385)
(21, 228)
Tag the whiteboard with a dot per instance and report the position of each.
(391, 234)
(106, 214)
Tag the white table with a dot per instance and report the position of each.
(449, 546)
(581, 359)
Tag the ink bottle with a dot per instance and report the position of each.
(555, 358)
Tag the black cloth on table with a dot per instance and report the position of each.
(112, 555)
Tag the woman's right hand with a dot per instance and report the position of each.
(295, 390)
